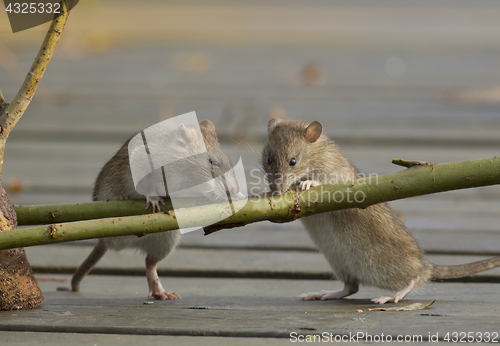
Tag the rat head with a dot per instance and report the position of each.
(222, 175)
(201, 167)
(293, 152)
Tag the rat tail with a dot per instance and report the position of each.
(444, 272)
(87, 265)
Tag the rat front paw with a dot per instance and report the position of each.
(154, 202)
(307, 184)
(163, 295)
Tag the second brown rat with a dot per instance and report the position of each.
(369, 246)
(189, 168)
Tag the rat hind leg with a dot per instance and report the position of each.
(399, 295)
(156, 290)
(348, 289)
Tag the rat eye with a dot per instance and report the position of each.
(293, 161)
(214, 163)
(269, 159)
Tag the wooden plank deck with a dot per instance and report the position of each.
(388, 79)
(249, 308)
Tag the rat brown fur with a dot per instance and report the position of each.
(363, 246)
(115, 182)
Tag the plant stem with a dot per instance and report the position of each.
(13, 112)
(361, 193)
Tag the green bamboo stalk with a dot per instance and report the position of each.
(55, 213)
(415, 181)
(419, 179)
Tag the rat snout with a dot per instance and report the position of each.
(233, 189)
(238, 196)
(278, 183)
(235, 192)
(232, 186)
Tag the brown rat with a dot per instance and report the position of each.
(115, 182)
(363, 246)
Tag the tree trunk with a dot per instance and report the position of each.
(18, 286)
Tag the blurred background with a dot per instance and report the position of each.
(417, 80)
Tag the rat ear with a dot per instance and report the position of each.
(208, 130)
(313, 131)
(272, 124)
(184, 135)
(207, 124)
